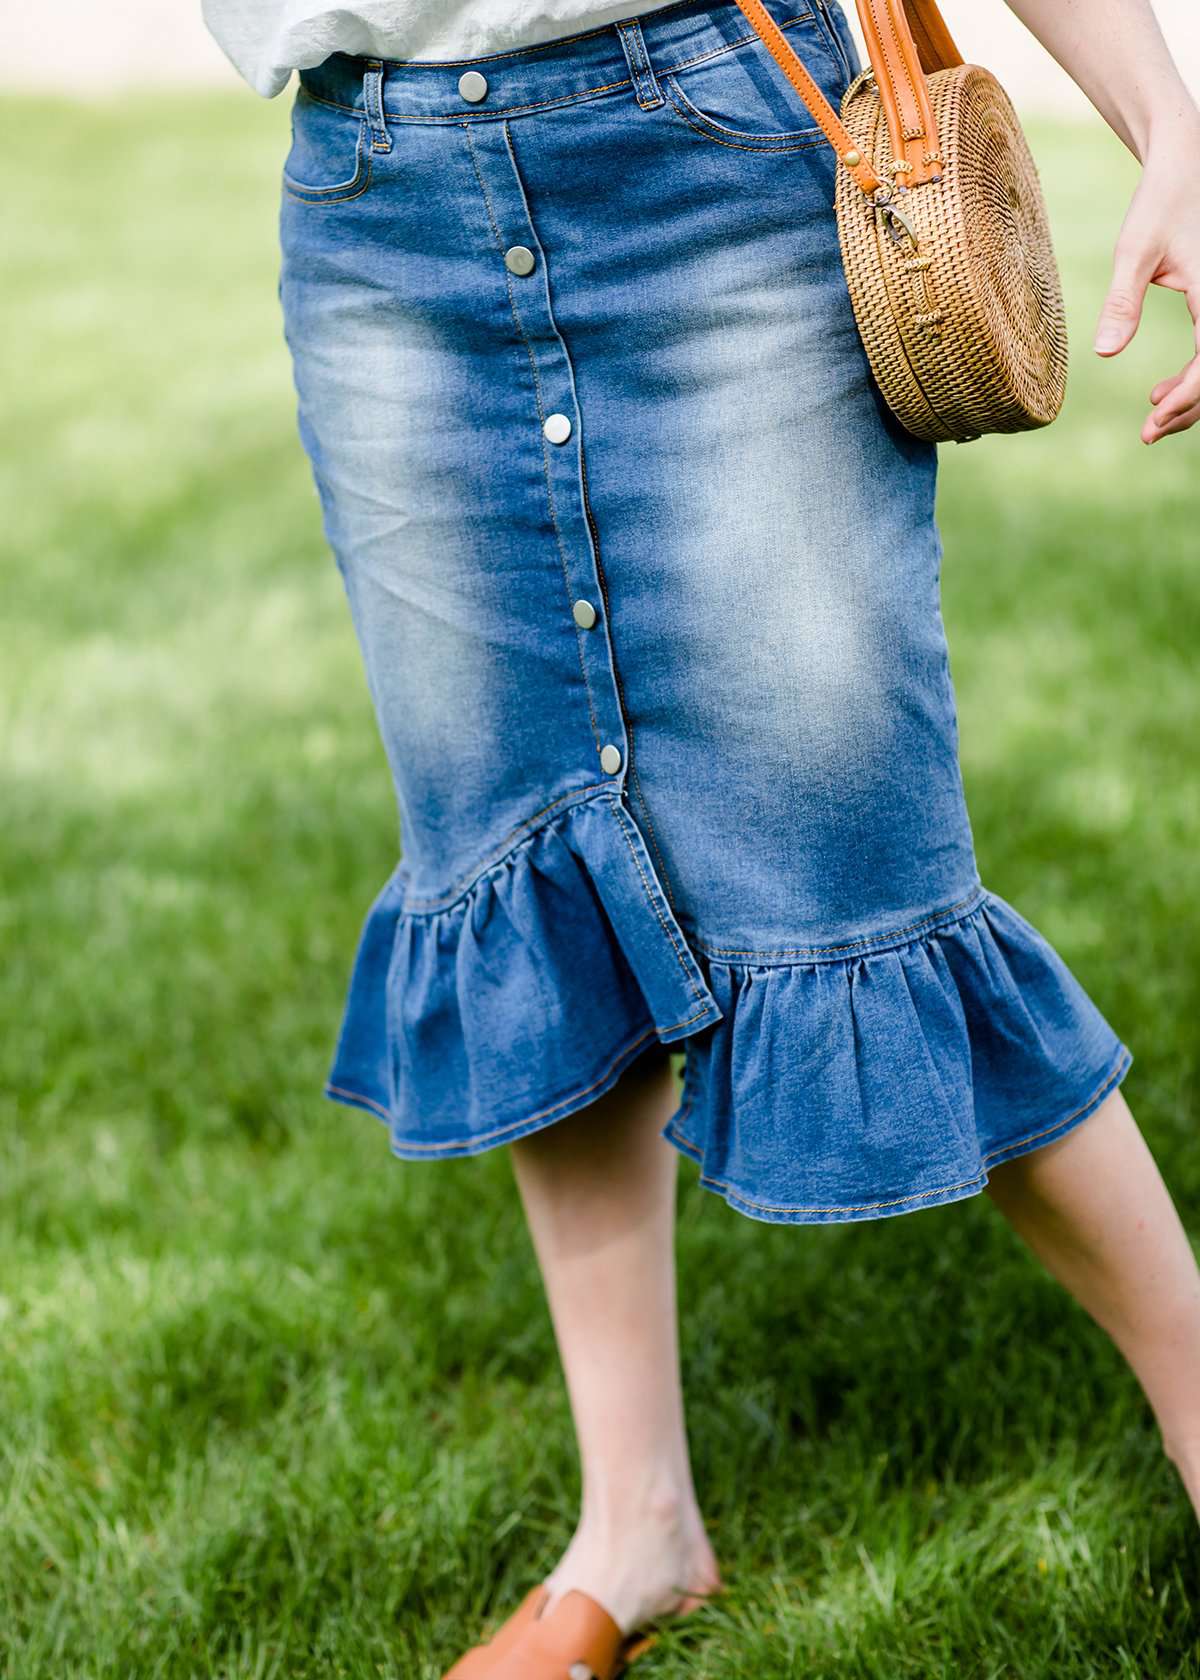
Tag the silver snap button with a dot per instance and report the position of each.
(472, 86)
(519, 259)
(610, 759)
(584, 614)
(557, 428)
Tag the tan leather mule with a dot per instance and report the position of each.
(578, 1640)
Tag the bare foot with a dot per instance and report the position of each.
(645, 1568)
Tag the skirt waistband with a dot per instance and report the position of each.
(627, 54)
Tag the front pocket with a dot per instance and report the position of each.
(740, 97)
(330, 156)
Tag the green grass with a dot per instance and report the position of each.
(273, 1405)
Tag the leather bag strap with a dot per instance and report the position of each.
(905, 39)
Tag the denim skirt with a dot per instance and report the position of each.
(646, 582)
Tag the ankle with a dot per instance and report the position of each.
(662, 1504)
(642, 1553)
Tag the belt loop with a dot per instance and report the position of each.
(381, 140)
(645, 83)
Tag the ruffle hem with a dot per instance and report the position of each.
(820, 1086)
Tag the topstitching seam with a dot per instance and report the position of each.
(340, 192)
(622, 706)
(499, 1132)
(766, 145)
(922, 1195)
(561, 342)
(909, 134)
(873, 939)
(502, 850)
(651, 833)
(491, 114)
(695, 990)
(544, 104)
(788, 140)
(541, 409)
(631, 37)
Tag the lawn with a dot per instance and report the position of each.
(272, 1404)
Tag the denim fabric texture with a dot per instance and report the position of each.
(646, 582)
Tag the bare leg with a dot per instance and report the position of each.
(1096, 1212)
(599, 1190)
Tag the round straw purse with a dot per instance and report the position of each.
(943, 229)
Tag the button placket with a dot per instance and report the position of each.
(526, 264)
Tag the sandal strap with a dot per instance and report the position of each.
(578, 1640)
(479, 1661)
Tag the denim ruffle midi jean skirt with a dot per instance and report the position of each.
(646, 582)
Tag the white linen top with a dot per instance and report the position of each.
(267, 39)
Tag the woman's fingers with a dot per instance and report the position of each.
(1178, 409)
(1181, 423)
(1180, 391)
(1176, 401)
(1133, 266)
(1159, 244)
(1165, 386)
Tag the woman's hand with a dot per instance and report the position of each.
(1159, 244)
(1115, 51)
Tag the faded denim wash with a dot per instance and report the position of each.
(662, 682)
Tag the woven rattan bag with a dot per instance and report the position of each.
(943, 229)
